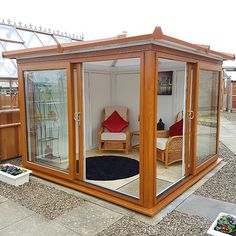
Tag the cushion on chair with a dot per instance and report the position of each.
(120, 109)
(161, 143)
(176, 129)
(113, 136)
(115, 123)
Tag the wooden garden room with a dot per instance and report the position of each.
(132, 120)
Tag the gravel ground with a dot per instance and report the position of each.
(51, 203)
(174, 224)
(222, 185)
(16, 161)
(231, 116)
(41, 198)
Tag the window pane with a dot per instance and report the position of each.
(171, 102)
(47, 118)
(207, 115)
(8, 94)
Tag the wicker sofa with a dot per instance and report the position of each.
(168, 149)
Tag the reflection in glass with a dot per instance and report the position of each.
(8, 94)
(47, 118)
(207, 115)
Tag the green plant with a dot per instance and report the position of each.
(226, 224)
(12, 170)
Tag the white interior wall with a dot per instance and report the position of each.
(105, 85)
(169, 105)
(103, 89)
(128, 94)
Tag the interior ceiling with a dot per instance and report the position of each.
(162, 63)
(170, 64)
(116, 63)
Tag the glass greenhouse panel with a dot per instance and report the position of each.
(9, 33)
(30, 39)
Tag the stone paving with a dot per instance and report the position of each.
(189, 214)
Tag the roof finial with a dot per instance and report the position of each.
(157, 33)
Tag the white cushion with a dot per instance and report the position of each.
(113, 136)
(161, 143)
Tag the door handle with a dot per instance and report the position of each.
(77, 117)
(191, 115)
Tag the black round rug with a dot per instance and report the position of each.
(110, 167)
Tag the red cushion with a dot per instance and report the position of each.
(115, 123)
(176, 129)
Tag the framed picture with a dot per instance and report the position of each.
(165, 79)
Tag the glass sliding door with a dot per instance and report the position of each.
(171, 123)
(207, 120)
(47, 118)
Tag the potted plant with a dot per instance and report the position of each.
(14, 175)
(224, 224)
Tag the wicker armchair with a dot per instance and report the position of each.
(169, 149)
(109, 141)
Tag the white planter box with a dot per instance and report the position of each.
(15, 180)
(213, 232)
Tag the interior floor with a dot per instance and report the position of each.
(130, 186)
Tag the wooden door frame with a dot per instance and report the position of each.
(187, 148)
(79, 73)
(79, 77)
(42, 67)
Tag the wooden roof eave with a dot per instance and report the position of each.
(15, 54)
(156, 36)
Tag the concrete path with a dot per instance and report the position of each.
(228, 133)
(205, 207)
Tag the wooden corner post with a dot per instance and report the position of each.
(149, 128)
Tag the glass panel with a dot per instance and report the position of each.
(207, 115)
(8, 68)
(112, 88)
(12, 46)
(7, 32)
(46, 39)
(8, 94)
(30, 39)
(63, 39)
(47, 118)
(171, 105)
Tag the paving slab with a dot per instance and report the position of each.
(88, 219)
(115, 208)
(175, 203)
(205, 207)
(11, 212)
(36, 225)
